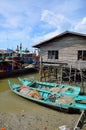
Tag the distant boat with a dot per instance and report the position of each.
(13, 64)
(52, 87)
(14, 58)
(47, 98)
(13, 67)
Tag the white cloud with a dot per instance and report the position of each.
(60, 22)
(31, 21)
(46, 36)
(53, 19)
(81, 25)
(18, 13)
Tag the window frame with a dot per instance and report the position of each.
(81, 55)
(53, 54)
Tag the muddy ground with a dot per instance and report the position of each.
(37, 120)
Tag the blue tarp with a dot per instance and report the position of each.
(9, 50)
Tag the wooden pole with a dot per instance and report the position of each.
(48, 73)
(75, 75)
(61, 74)
(40, 71)
(81, 73)
(56, 74)
(44, 71)
(70, 74)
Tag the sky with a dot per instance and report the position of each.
(33, 21)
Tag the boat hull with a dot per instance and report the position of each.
(58, 102)
(53, 87)
(14, 73)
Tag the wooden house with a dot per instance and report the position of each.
(66, 49)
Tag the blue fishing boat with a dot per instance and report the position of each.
(6, 69)
(47, 98)
(13, 64)
(52, 87)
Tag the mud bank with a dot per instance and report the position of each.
(37, 120)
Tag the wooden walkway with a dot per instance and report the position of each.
(80, 121)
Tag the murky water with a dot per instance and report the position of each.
(9, 101)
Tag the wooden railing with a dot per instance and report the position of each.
(80, 121)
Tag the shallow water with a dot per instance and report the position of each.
(9, 101)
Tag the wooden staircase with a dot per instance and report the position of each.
(80, 121)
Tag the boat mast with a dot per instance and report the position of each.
(21, 50)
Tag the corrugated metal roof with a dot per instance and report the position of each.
(58, 36)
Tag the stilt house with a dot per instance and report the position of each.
(66, 49)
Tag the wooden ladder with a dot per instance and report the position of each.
(80, 121)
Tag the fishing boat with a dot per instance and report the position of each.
(14, 68)
(47, 98)
(13, 65)
(52, 87)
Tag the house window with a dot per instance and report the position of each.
(82, 55)
(52, 54)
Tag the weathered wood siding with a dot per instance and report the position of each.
(67, 47)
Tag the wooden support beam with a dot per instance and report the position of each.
(61, 75)
(40, 72)
(56, 73)
(82, 85)
(75, 75)
(44, 72)
(49, 74)
(70, 74)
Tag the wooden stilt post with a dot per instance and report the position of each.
(48, 73)
(40, 72)
(75, 75)
(56, 74)
(61, 74)
(44, 71)
(81, 73)
(70, 74)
